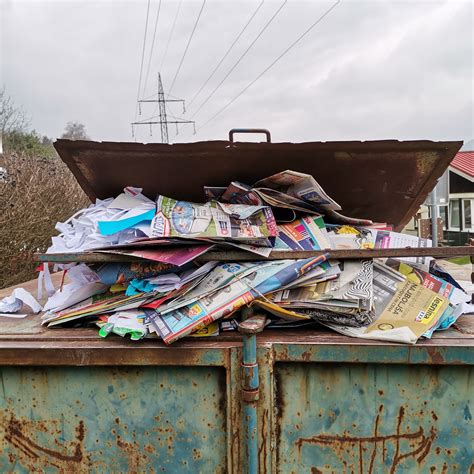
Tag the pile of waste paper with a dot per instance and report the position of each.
(169, 285)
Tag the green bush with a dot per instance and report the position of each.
(28, 143)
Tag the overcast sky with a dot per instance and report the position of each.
(368, 70)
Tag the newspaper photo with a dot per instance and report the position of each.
(345, 237)
(210, 220)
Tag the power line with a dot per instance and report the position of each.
(170, 36)
(187, 46)
(152, 46)
(240, 59)
(143, 57)
(173, 112)
(166, 51)
(272, 63)
(227, 52)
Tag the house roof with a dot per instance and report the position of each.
(463, 164)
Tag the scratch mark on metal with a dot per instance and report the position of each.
(17, 438)
(422, 442)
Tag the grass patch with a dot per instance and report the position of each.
(460, 260)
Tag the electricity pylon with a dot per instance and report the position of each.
(163, 116)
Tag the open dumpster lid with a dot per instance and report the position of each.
(385, 181)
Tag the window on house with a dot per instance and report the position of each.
(454, 220)
(467, 207)
(443, 213)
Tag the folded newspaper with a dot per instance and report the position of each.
(288, 189)
(347, 299)
(405, 310)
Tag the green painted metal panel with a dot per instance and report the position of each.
(376, 354)
(113, 419)
(367, 418)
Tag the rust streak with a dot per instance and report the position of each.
(330, 439)
(435, 356)
(18, 438)
(376, 428)
(401, 413)
(428, 446)
(420, 443)
(263, 446)
(424, 449)
(24, 449)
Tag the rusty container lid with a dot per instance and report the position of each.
(385, 181)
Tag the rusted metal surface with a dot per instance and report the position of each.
(250, 389)
(373, 418)
(265, 409)
(86, 257)
(366, 178)
(250, 396)
(459, 351)
(316, 346)
(253, 325)
(80, 353)
(113, 420)
(236, 255)
(26, 342)
(323, 402)
(250, 377)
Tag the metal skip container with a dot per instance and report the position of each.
(305, 401)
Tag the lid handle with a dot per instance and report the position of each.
(249, 130)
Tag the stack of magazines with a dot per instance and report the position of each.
(166, 288)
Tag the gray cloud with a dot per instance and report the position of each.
(370, 70)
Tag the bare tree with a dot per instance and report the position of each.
(75, 131)
(12, 117)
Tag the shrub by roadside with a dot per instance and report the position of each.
(37, 193)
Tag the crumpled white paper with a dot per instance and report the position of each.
(13, 303)
(80, 232)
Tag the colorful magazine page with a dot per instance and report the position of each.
(185, 219)
(176, 256)
(241, 290)
(112, 273)
(307, 233)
